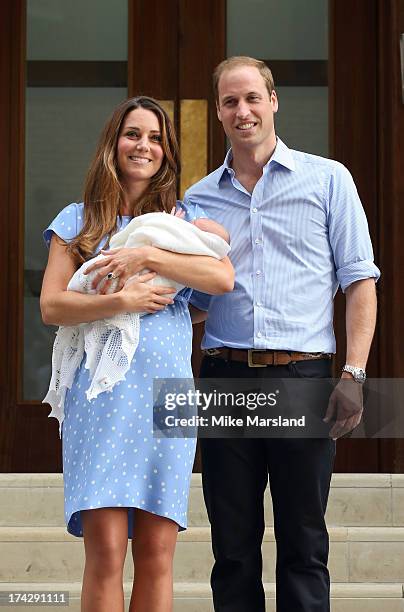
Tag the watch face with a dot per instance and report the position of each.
(360, 376)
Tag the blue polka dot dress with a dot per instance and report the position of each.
(110, 457)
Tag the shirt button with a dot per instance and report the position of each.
(259, 303)
(257, 241)
(258, 272)
(259, 335)
(255, 210)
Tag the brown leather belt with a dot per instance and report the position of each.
(257, 358)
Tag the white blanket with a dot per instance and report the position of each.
(110, 344)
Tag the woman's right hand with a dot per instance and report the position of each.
(139, 296)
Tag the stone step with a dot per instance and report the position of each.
(357, 554)
(355, 500)
(196, 597)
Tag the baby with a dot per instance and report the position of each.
(81, 281)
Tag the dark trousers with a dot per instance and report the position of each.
(235, 475)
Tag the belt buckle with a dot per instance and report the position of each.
(211, 352)
(251, 363)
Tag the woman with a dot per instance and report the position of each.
(120, 482)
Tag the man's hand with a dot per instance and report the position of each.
(345, 407)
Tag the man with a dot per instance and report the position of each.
(298, 230)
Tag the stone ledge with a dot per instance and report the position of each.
(19, 481)
(397, 480)
(337, 481)
(202, 534)
(202, 590)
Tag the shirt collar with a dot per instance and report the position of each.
(282, 155)
(225, 166)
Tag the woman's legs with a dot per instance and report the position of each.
(153, 546)
(105, 533)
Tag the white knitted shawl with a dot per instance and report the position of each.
(109, 344)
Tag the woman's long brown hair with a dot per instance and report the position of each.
(103, 192)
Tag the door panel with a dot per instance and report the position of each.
(353, 131)
(390, 18)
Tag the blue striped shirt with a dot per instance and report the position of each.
(294, 240)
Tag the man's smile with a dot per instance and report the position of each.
(246, 126)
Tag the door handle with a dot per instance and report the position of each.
(402, 66)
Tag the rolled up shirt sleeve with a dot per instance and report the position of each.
(348, 231)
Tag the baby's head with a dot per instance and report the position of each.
(207, 225)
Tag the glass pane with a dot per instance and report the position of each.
(302, 118)
(62, 127)
(77, 30)
(292, 37)
(278, 29)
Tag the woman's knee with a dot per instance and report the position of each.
(105, 543)
(153, 545)
(106, 557)
(154, 554)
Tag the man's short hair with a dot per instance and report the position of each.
(242, 60)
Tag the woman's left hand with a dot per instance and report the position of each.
(121, 263)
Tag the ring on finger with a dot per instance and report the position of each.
(111, 276)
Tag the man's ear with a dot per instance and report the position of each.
(219, 116)
(274, 101)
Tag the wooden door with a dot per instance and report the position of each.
(366, 128)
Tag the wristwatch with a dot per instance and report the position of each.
(359, 374)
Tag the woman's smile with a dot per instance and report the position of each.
(139, 160)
